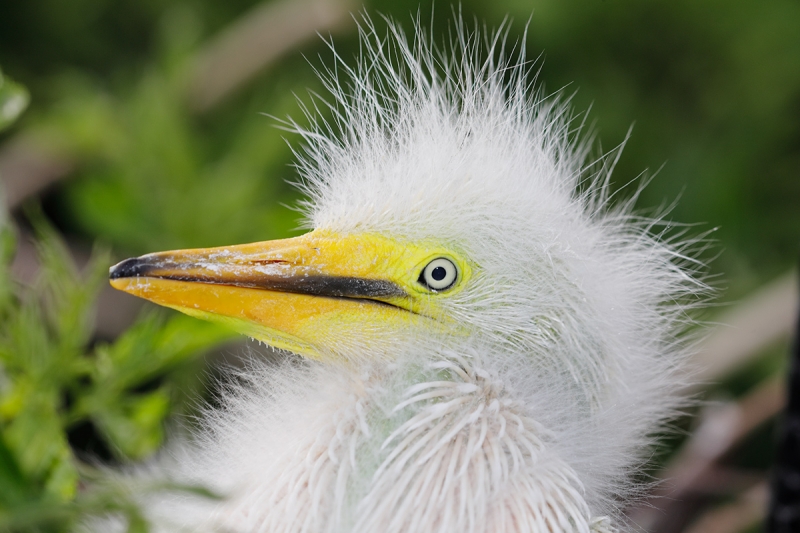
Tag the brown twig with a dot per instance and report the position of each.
(29, 165)
(762, 319)
(722, 426)
(257, 39)
(740, 515)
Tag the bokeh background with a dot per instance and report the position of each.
(150, 127)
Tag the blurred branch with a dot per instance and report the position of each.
(784, 508)
(765, 317)
(256, 40)
(693, 469)
(735, 517)
(744, 332)
(29, 165)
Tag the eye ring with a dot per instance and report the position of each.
(439, 275)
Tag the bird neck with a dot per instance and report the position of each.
(439, 444)
(444, 442)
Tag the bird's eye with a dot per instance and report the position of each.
(439, 274)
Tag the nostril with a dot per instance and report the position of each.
(270, 262)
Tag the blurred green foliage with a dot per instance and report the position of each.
(713, 87)
(154, 182)
(155, 177)
(53, 378)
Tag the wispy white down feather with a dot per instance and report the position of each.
(533, 422)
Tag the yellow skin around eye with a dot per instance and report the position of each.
(213, 279)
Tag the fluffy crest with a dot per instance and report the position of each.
(454, 145)
(437, 144)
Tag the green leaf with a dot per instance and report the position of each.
(151, 347)
(36, 439)
(133, 424)
(14, 485)
(68, 296)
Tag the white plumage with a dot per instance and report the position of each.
(534, 410)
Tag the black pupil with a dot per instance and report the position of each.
(439, 273)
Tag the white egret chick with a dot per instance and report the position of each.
(476, 340)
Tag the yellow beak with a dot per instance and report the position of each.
(309, 294)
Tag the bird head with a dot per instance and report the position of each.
(459, 235)
(454, 219)
(445, 212)
(453, 238)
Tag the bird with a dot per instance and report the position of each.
(474, 335)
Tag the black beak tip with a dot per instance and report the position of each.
(129, 268)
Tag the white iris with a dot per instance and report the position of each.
(439, 274)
